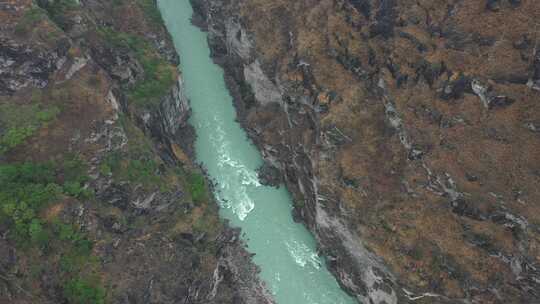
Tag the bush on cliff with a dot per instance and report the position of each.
(84, 291)
(58, 10)
(27, 190)
(197, 187)
(30, 20)
(159, 75)
(22, 121)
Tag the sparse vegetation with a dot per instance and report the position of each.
(58, 11)
(14, 137)
(30, 20)
(151, 11)
(131, 169)
(35, 23)
(47, 114)
(22, 121)
(197, 187)
(206, 221)
(84, 291)
(158, 79)
(136, 163)
(159, 75)
(148, 7)
(26, 190)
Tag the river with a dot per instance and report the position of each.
(284, 250)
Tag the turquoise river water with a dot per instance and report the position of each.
(284, 250)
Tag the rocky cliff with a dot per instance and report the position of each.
(407, 131)
(100, 201)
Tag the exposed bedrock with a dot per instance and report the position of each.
(407, 132)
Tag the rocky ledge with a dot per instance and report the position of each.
(407, 132)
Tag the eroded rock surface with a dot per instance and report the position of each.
(407, 132)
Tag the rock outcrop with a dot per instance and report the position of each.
(406, 131)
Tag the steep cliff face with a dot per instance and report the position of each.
(407, 132)
(99, 199)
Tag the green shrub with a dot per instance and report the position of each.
(38, 234)
(105, 169)
(74, 169)
(58, 11)
(24, 190)
(132, 167)
(75, 189)
(29, 20)
(22, 122)
(197, 187)
(24, 173)
(15, 137)
(81, 246)
(69, 232)
(115, 39)
(159, 75)
(83, 291)
(75, 261)
(48, 114)
(112, 164)
(74, 172)
(142, 171)
(158, 80)
(27, 188)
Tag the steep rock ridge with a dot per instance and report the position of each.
(407, 132)
(96, 176)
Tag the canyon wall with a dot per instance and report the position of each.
(100, 198)
(407, 132)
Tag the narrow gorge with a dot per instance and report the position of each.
(269, 151)
(284, 250)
